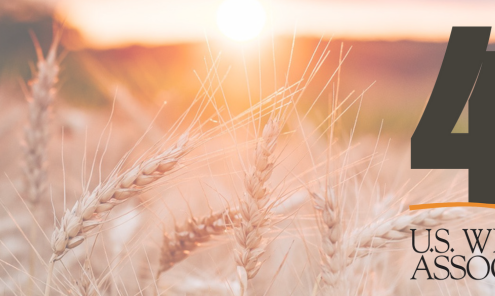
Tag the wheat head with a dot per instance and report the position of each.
(40, 98)
(90, 209)
(255, 208)
(333, 260)
(361, 241)
(191, 234)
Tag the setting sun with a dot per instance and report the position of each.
(241, 20)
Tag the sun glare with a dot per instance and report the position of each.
(241, 20)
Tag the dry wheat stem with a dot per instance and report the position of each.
(255, 207)
(91, 209)
(190, 235)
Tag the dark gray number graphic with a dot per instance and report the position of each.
(467, 72)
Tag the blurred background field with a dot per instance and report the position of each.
(159, 68)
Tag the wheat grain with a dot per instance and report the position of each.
(255, 208)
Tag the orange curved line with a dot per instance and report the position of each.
(451, 205)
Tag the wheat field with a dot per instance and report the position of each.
(265, 200)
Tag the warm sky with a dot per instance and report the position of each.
(108, 23)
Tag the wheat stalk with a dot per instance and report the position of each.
(255, 207)
(90, 210)
(191, 234)
(40, 98)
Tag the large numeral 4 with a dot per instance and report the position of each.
(467, 73)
